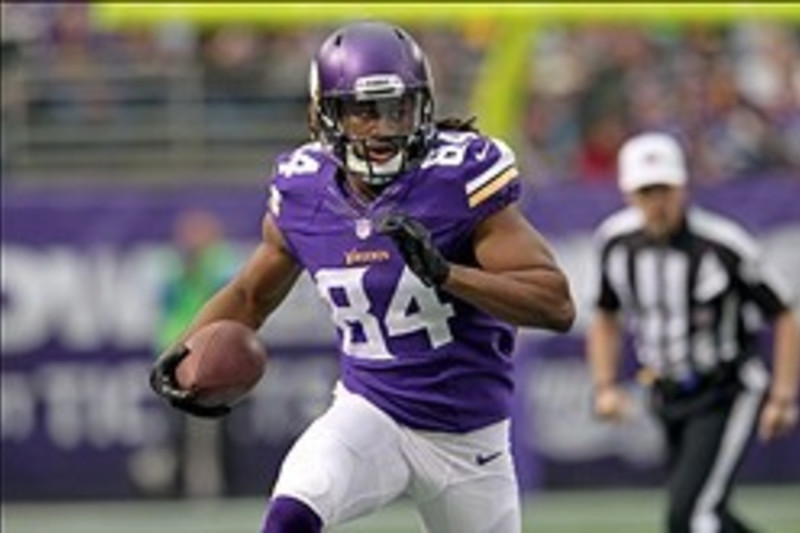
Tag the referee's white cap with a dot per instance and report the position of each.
(651, 159)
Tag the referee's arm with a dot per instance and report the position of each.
(780, 412)
(604, 343)
(603, 348)
(768, 291)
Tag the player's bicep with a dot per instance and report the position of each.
(506, 242)
(270, 272)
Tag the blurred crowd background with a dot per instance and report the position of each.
(184, 101)
(731, 93)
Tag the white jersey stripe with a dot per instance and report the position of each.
(505, 161)
(734, 439)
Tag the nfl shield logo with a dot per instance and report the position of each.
(363, 228)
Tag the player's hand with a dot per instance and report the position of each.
(611, 403)
(414, 242)
(778, 416)
(165, 384)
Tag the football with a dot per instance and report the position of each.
(226, 360)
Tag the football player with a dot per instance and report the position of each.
(411, 232)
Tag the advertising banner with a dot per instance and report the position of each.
(80, 277)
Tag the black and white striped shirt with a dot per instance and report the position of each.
(693, 301)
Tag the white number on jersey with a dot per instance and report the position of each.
(413, 307)
(353, 312)
(298, 164)
(430, 314)
(452, 154)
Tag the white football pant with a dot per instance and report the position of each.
(355, 459)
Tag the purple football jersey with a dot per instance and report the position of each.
(428, 359)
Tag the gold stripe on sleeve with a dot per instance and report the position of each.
(492, 186)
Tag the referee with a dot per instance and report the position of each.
(693, 286)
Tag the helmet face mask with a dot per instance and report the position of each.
(378, 136)
(371, 100)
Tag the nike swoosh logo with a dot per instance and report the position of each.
(480, 156)
(482, 459)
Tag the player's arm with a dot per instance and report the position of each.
(518, 280)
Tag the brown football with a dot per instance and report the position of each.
(226, 360)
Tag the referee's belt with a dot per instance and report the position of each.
(694, 382)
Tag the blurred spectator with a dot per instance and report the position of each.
(286, 54)
(233, 62)
(72, 54)
(731, 93)
(768, 71)
(201, 264)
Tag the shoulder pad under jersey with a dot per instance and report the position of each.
(481, 171)
(297, 182)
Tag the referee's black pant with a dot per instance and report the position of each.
(707, 433)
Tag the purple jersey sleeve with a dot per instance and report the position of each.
(296, 189)
(483, 171)
(296, 182)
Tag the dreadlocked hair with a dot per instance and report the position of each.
(313, 123)
(458, 124)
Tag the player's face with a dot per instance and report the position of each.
(662, 206)
(373, 123)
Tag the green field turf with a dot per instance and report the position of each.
(772, 509)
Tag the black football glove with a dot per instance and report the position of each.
(414, 242)
(164, 383)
